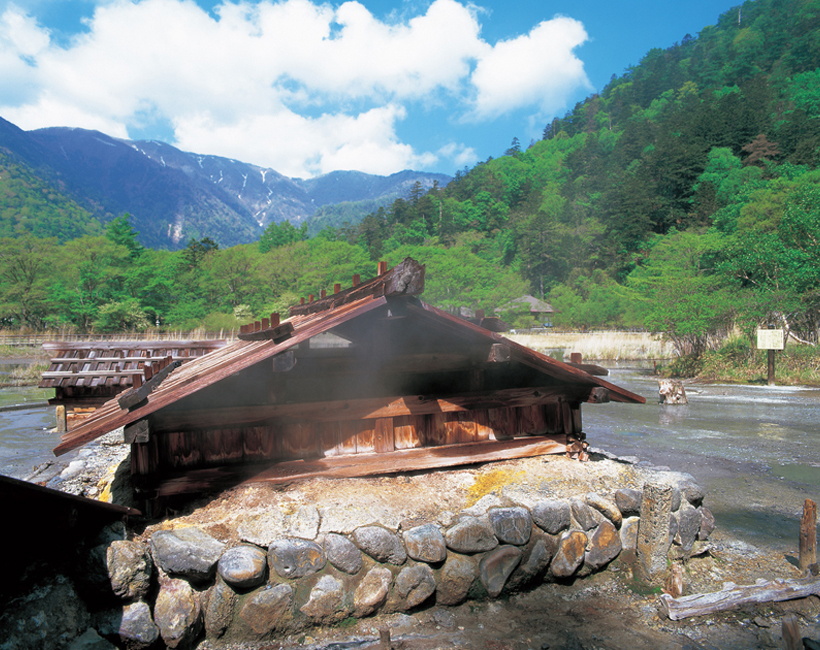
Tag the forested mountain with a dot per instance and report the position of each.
(684, 198)
(175, 196)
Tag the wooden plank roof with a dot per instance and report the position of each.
(337, 313)
(113, 364)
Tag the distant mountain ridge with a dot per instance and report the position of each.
(174, 196)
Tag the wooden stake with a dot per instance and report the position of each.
(62, 425)
(323, 294)
(337, 288)
(357, 280)
(808, 538)
(274, 319)
(382, 268)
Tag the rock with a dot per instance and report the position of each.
(129, 569)
(688, 526)
(47, 617)
(653, 531)
(137, 628)
(243, 567)
(495, 567)
(415, 584)
(327, 601)
(343, 554)
(483, 505)
(671, 391)
(673, 529)
(570, 554)
(629, 533)
(628, 501)
(606, 507)
(693, 492)
(603, 547)
(511, 525)
(380, 544)
(177, 613)
(535, 559)
(263, 528)
(676, 500)
(470, 535)
(707, 523)
(186, 552)
(552, 516)
(425, 544)
(456, 577)
(582, 514)
(295, 558)
(372, 591)
(267, 609)
(90, 640)
(674, 581)
(219, 611)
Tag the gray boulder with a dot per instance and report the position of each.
(296, 558)
(570, 554)
(372, 591)
(606, 507)
(628, 501)
(582, 513)
(456, 577)
(603, 547)
(267, 609)
(177, 614)
(137, 629)
(552, 515)
(511, 525)
(343, 554)
(243, 567)
(380, 544)
(470, 535)
(326, 603)
(129, 569)
(496, 567)
(219, 611)
(186, 552)
(426, 544)
(415, 584)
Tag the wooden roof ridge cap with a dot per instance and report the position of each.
(404, 279)
(182, 385)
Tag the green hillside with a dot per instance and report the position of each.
(28, 205)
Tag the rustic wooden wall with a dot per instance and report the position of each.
(281, 442)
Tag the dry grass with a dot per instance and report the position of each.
(598, 346)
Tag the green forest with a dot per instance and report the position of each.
(684, 198)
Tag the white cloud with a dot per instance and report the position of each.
(538, 69)
(299, 86)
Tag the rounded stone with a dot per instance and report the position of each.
(380, 544)
(552, 515)
(582, 514)
(243, 567)
(707, 523)
(177, 613)
(570, 555)
(426, 544)
(470, 535)
(456, 577)
(129, 569)
(604, 546)
(326, 602)
(268, 608)
(415, 584)
(496, 567)
(343, 554)
(535, 559)
(219, 610)
(372, 591)
(137, 628)
(296, 558)
(628, 501)
(606, 507)
(186, 552)
(629, 533)
(511, 525)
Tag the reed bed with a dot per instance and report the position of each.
(598, 346)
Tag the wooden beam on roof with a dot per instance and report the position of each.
(404, 279)
(354, 465)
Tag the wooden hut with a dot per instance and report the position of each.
(367, 380)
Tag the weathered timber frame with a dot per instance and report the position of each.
(409, 388)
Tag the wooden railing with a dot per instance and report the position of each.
(36, 340)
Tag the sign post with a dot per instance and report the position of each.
(771, 340)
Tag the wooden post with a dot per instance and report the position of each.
(337, 288)
(357, 280)
(808, 538)
(265, 323)
(479, 315)
(771, 367)
(62, 425)
(274, 319)
(323, 294)
(301, 301)
(382, 268)
(576, 357)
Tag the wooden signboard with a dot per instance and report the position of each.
(769, 339)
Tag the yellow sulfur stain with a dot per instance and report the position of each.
(490, 482)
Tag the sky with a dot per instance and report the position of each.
(306, 87)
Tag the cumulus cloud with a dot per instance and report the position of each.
(296, 85)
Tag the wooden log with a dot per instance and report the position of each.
(808, 538)
(139, 431)
(499, 353)
(733, 596)
(276, 334)
(357, 465)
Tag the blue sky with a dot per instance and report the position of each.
(306, 87)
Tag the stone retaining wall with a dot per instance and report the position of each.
(183, 585)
